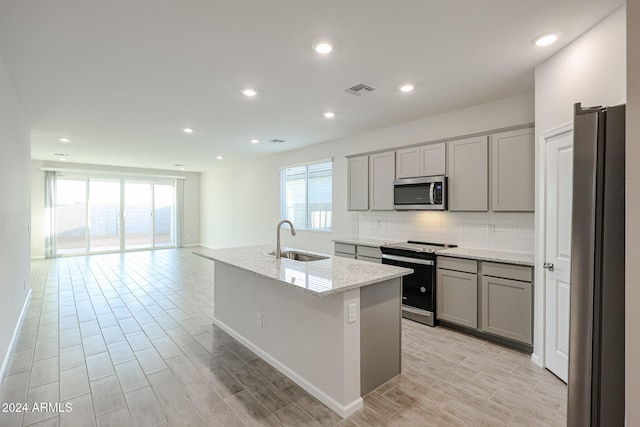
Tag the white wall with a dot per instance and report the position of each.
(191, 228)
(14, 211)
(591, 70)
(510, 231)
(240, 204)
(632, 279)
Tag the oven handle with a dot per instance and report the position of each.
(407, 260)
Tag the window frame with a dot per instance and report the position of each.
(283, 196)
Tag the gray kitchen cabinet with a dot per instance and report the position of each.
(457, 292)
(507, 301)
(369, 253)
(468, 174)
(408, 163)
(358, 183)
(491, 299)
(345, 250)
(361, 252)
(513, 171)
(425, 160)
(381, 176)
(433, 159)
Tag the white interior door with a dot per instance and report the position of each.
(559, 190)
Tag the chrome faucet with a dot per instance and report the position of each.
(293, 233)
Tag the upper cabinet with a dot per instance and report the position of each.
(513, 171)
(433, 159)
(408, 163)
(358, 181)
(469, 174)
(491, 172)
(425, 160)
(381, 175)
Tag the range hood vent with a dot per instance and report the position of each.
(360, 88)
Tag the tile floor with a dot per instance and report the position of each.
(127, 339)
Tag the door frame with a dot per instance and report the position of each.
(539, 313)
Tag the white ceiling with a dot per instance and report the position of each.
(120, 78)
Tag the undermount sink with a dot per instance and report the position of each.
(301, 256)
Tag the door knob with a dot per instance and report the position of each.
(548, 266)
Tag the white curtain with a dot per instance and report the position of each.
(50, 209)
(179, 212)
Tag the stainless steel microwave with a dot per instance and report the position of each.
(428, 193)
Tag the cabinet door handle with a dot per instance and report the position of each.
(548, 266)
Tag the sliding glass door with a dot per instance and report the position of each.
(106, 215)
(138, 215)
(70, 215)
(164, 214)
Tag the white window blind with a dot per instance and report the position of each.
(306, 196)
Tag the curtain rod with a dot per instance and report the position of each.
(100, 172)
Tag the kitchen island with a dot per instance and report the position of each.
(331, 325)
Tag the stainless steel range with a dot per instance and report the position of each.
(419, 288)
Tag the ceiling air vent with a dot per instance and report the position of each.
(359, 89)
(277, 141)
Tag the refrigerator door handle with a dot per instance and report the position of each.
(548, 266)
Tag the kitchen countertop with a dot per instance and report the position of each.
(490, 255)
(504, 257)
(323, 277)
(364, 241)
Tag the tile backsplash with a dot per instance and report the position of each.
(503, 231)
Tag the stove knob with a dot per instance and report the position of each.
(423, 289)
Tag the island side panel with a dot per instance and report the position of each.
(305, 336)
(380, 333)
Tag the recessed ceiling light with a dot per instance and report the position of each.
(187, 130)
(219, 157)
(64, 140)
(546, 39)
(322, 48)
(255, 141)
(249, 92)
(406, 88)
(329, 114)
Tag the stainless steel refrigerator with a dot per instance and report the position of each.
(596, 337)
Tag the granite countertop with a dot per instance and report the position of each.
(323, 277)
(490, 255)
(365, 241)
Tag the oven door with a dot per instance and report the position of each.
(418, 288)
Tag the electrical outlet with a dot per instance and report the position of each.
(259, 320)
(352, 313)
(379, 223)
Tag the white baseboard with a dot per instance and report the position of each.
(536, 359)
(209, 247)
(5, 362)
(37, 257)
(343, 410)
(191, 245)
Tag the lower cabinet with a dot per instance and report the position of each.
(457, 297)
(345, 250)
(361, 252)
(506, 308)
(490, 298)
